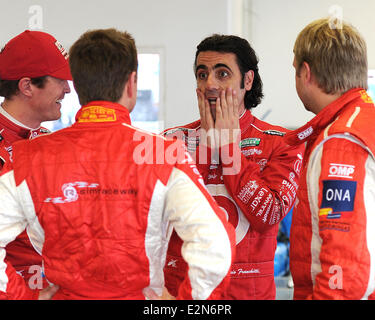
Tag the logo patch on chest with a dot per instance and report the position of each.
(249, 142)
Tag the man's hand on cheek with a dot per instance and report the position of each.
(227, 121)
(207, 131)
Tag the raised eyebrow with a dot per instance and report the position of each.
(222, 65)
(200, 67)
(217, 66)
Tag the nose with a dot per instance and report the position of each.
(66, 86)
(211, 82)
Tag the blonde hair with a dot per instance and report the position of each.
(336, 54)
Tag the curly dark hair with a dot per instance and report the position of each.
(246, 60)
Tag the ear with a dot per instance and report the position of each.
(131, 85)
(25, 87)
(305, 72)
(248, 80)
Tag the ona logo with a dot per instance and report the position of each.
(338, 195)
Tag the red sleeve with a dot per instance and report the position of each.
(12, 285)
(16, 287)
(341, 196)
(264, 196)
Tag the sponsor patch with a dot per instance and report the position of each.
(44, 130)
(337, 204)
(249, 142)
(62, 50)
(251, 152)
(274, 133)
(304, 134)
(365, 97)
(334, 225)
(174, 130)
(339, 195)
(329, 214)
(338, 170)
(248, 191)
(97, 114)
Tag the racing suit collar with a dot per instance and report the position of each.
(323, 118)
(246, 119)
(103, 112)
(13, 127)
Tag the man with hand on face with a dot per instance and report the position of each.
(246, 166)
(332, 243)
(34, 70)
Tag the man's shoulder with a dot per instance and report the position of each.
(356, 121)
(355, 117)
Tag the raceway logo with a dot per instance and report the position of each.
(70, 193)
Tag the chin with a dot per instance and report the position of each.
(55, 117)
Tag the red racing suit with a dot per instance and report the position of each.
(20, 252)
(101, 198)
(255, 200)
(332, 243)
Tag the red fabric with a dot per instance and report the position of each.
(34, 54)
(255, 200)
(94, 206)
(20, 252)
(330, 247)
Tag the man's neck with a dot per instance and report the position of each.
(322, 99)
(18, 112)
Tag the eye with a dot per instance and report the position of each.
(223, 73)
(202, 75)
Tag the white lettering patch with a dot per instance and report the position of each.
(248, 191)
(339, 170)
(304, 134)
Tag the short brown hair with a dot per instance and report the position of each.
(336, 54)
(9, 88)
(101, 62)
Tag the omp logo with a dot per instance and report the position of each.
(304, 134)
(339, 170)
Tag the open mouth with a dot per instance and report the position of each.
(212, 101)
